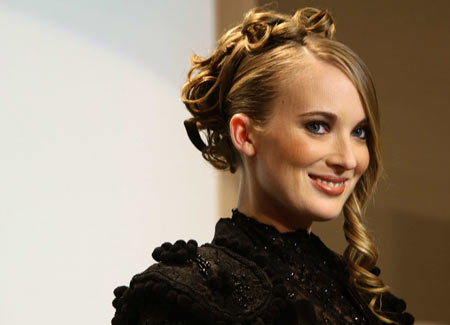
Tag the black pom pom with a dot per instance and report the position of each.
(118, 292)
(390, 302)
(280, 291)
(192, 248)
(192, 242)
(175, 247)
(115, 302)
(157, 253)
(118, 303)
(375, 271)
(406, 319)
(123, 308)
(167, 257)
(400, 305)
(118, 320)
(166, 245)
(181, 256)
(180, 242)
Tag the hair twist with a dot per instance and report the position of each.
(361, 256)
(257, 28)
(316, 21)
(210, 79)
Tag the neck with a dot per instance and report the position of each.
(256, 203)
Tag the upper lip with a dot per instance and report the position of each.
(329, 178)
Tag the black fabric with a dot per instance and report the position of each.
(249, 274)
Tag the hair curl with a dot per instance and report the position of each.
(241, 76)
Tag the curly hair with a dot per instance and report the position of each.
(241, 76)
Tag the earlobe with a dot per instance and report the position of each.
(240, 131)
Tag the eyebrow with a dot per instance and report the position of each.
(330, 115)
(323, 113)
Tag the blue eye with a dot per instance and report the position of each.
(361, 132)
(317, 127)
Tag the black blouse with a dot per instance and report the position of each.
(250, 274)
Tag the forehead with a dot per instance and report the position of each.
(318, 85)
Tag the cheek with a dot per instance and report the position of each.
(363, 158)
(299, 151)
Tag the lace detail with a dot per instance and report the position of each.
(250, 274)
(310, 271)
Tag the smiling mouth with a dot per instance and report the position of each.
(330, 185)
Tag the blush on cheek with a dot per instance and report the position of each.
(297, 148)
(363, 161)
(306, 154)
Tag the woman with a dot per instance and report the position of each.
(297, 112)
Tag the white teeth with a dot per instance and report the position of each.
(331, 184)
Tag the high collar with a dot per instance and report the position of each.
(289, 255)
(246, 232)
(265, 230)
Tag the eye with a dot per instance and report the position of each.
(361, 132)
(317, 127)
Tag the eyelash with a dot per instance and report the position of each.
(310, 125)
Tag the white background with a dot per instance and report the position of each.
(95, 166)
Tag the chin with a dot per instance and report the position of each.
(323, 218)
(325, 214)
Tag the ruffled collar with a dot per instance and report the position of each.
(268, 230)
(242, 233)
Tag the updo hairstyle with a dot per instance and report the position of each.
(242, 75)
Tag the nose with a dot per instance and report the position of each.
(342, 155)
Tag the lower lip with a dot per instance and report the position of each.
(328, 189)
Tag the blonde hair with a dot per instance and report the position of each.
(241, 76)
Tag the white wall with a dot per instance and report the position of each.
(95, 166)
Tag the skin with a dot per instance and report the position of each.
(279, 157)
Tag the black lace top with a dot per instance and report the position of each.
(249, 274)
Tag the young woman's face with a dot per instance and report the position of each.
(313, 150)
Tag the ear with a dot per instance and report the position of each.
(241, 134)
